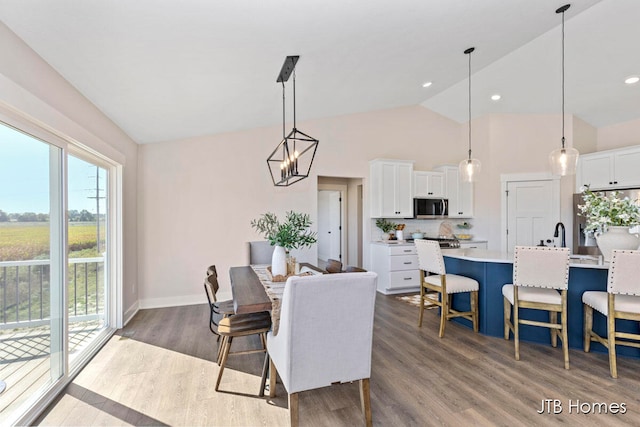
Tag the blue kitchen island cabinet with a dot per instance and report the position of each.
(493, 269)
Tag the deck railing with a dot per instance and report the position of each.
(25, 291)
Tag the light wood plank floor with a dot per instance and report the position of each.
(159, 371)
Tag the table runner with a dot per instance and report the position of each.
(274, 291)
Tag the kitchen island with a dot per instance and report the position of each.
(492, 269)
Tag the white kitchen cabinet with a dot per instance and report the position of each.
(428, 184)
(460, 194)
(396, 266)
(609, 169)
(391, 191)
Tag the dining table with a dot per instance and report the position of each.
(253, 290)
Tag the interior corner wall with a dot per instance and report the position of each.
(198, 196)
(31, 86)
(585, 136)
(619, 135)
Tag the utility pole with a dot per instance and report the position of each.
(97, 197)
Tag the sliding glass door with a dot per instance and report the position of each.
(55, 281)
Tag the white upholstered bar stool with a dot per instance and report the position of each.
(540, 282)
(430, 260)
(621, 301)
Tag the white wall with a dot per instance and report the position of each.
(619, 135)
(197, 196)
(510, 144)
(35, 91)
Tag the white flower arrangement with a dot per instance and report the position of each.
(603, 211)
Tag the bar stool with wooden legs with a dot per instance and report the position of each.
(621, 301)
(237, 325)
(540, 282)
(430, 260)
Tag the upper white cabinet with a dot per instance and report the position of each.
(460, 194)
(428, 184)
(391, 188)
(609, 169)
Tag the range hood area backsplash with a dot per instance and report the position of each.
(430, 227)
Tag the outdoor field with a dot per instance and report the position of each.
(20, 241)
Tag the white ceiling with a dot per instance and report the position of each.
(165, 70)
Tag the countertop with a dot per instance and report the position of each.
(484, 255)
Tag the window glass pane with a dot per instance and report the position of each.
(30, 327)
(87, 231)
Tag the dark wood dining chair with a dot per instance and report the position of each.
(235, 325)
(333, 266)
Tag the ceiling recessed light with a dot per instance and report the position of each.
(632, 80)
(427, 84)
(495, 97)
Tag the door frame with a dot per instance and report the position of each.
(343, 216)
(505, 179)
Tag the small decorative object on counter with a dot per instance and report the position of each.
(386, 227)
(465, 225)
(400, 231)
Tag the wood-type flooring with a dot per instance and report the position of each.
(159, 370)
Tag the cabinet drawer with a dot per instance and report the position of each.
(403, 262)
(403, 250)
(403, 279)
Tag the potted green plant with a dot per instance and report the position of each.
(385, 226)
(609, 217)
(292, 233)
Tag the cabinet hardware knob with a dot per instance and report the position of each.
(407, 250)
(407, 278)
(408, 262)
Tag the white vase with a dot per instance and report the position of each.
(279, 261)
(616, 237)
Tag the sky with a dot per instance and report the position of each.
(24, 176)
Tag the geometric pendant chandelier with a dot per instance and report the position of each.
(292, 158)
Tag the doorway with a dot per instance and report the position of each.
(530, 208)
(329, 225)
(339, 220)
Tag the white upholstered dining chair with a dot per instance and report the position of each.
(259, 252)
(621, 301)
(540, 282)
(325, 335)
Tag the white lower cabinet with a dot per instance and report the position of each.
(396, 266)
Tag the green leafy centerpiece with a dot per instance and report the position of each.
(610, 217)
(293, 233)
(386, 226)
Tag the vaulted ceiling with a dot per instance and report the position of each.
(166, 70)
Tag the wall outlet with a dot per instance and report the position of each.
(133, 288)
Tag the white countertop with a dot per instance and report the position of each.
(484, 255)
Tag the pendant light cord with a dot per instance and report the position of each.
(469, 105)
(294, 99)
(563, 80)
(283, 111)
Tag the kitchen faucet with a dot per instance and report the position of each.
(563, 243)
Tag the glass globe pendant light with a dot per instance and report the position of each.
(563, 160)
(469, 168)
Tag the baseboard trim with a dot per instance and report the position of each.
(130, 312)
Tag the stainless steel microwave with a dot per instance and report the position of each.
(430, 208)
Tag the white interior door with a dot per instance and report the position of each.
(329, 225)
(532, 210)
